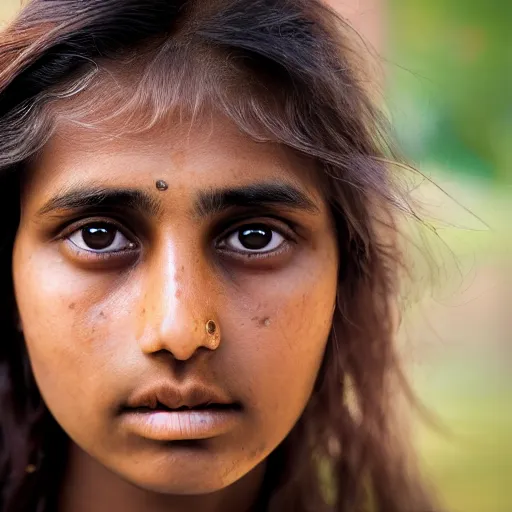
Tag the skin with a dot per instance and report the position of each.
(100, 328)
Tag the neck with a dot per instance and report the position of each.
(88, 485)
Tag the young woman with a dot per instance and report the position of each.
(199, 269)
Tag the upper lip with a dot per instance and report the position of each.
(170, 396)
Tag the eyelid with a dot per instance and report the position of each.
(97, 260)
(284, 228)
(290, 238)
(75, 225)
(118, 235)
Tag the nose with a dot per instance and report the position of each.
(178, 306)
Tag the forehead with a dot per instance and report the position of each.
(210, 152)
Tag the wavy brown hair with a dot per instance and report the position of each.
(283, 71)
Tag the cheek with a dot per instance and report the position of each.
(66, 332)
(284, 326)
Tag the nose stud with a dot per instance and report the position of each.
(211, 327)
(213, 334)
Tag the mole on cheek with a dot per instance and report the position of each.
(72, 305)
(262, 322)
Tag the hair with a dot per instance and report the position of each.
(285, 72)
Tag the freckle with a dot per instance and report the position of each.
(72, 305)
(257, 451)
(265, 322)
(102, 315)
(143, 311)
(254, 318)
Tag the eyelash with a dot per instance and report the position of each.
(97, 256)
(287, 233)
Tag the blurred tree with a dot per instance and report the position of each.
(459, 54)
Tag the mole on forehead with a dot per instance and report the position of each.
(162, 185)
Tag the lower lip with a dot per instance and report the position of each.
(181, 425)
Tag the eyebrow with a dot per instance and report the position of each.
(208, 202)
(254, 195)
(102, 197)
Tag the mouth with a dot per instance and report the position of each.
(167, 413)
(200, 407)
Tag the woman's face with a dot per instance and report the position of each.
(116, 279)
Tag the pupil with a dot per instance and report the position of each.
(98, 237)
(255, 238)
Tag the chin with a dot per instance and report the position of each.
(184, 477)
(175, 485)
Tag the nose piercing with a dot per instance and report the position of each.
(213, 334)
(211, 327)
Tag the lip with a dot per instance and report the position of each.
(165, 412)
(184, 425)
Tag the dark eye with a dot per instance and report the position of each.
(100, 237)
(256, 238)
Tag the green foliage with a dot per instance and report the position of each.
(451, 79)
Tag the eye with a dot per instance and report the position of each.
(100, 237)
(255, 238)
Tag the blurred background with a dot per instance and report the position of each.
(446, 71)
(447, 80)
